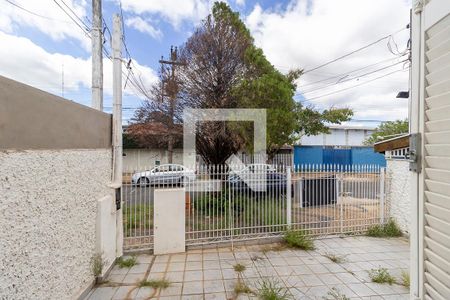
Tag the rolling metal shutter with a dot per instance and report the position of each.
(437, 161)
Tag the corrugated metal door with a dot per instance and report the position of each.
(337, 156)
(436, 131)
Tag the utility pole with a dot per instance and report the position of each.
(97, 57)
(117, 124)
(171, 85)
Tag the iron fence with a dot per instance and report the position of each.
(251, 203)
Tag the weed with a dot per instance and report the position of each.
(137, 217)
(270, 289)
(334, 258)
(405, 279)
(126, 262)
(156, 284)
(97, 264)
(390, 229)
(242, 288)
(381, 275)
(335, 294)
(239, 268)
(298, 239)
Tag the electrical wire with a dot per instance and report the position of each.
(33, 13)
(85, 30)
(351, 87)
(347, 73)
(353, 78)
(353, 52)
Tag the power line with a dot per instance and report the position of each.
(351, 87)
(33, 13)
(85, 30)
(73, 12)
(353, 52)
(352, 78)
(349, 72)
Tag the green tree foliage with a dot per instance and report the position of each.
(387, 130)
(224, 69)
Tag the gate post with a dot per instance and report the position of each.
(382, 193)
(288, 197)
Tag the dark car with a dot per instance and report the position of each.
(268, 182)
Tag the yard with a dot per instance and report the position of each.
(337, 269)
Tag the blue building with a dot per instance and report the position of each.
(343, 145)
(304, 155)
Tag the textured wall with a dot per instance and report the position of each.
(398, 190)
(48, 203)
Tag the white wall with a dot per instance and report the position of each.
(48, 208)
(338, 137)
(139, 159)
(398, 192)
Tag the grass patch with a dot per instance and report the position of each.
(97, 264)
(239, 268)
(381, 275)
(334, 257)
(406, 281)
(242, 288)
(270, 289)
(335, 294)
(137, 217)
(298, 239)
(126, 262)
(156, 284)
(390, 229)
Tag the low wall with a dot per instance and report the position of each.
(48, 211)
(140, 159)
(398, 192)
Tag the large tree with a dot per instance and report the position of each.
(387, 130)
(224, 69)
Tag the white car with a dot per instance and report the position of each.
(164, 174)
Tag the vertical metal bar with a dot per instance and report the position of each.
(382, 195)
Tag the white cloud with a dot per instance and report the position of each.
(143, 26)
(240, 2)
(307, 33)
(173, 11)
(29, 63)
(54, 23)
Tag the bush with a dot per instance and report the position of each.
(298, 239)
(390, 229)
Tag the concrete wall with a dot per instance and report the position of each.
(139, 159)
(33, 119)
(48, 210)
(398, 192)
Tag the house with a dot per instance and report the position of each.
(344, 145)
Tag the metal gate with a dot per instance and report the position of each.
(257, 202)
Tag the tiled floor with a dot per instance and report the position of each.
(209, 273)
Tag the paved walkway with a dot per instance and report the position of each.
(210, 274)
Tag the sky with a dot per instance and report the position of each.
(43, 47)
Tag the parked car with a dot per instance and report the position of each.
(254, 183)
(254, 168)
(163, 174)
